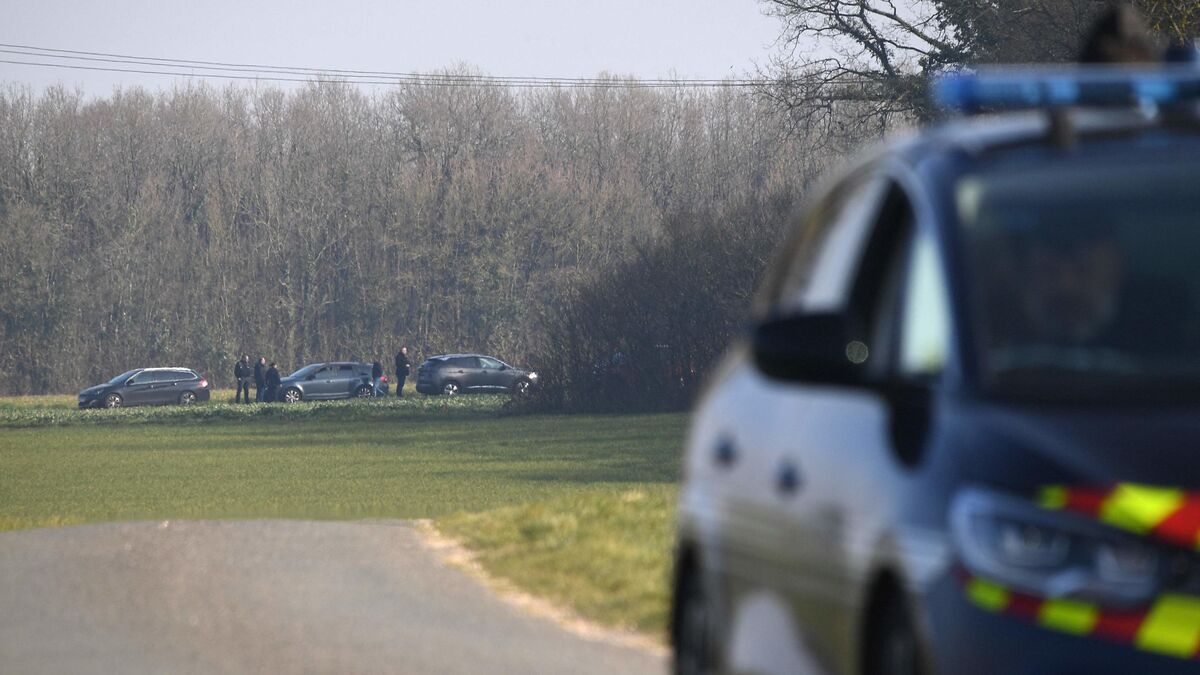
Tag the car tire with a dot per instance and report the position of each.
(451, 389)
(187, 398)
(363, 391)
(113, 400)
(292, 395)
(521, 387)
(892, 646)
(693, 639)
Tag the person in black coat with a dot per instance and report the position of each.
(260, 379)
(272, 382)
(403, 367)
(242, 373)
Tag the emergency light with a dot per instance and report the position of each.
(1002, 89)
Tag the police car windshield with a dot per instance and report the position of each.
(1084, 271)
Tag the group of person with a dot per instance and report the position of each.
(266, 379)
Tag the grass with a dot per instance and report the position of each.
(63, 411)
(577, 509)
(605, 554)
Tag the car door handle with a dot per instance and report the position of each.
(725, 453)
(787, 479)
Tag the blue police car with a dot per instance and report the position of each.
(963, 433)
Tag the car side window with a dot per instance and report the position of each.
(490, 364)
(925, 318)
(820, 272)
(346, 372)
(141, 378)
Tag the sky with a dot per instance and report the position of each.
(547, 38)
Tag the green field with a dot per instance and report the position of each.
(574, 508)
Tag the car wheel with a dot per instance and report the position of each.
(521, 388)
(113, 400)
(363, 392)
(187, 398)
(451, 389)
(692, 634)
(292, 395)
(892, 645)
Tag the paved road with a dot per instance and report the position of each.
(267, 597)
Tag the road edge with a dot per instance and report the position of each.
(452, 553)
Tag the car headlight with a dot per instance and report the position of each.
(1052, 554)
(533, 376)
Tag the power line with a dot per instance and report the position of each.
(247, 71)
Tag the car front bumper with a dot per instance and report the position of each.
(965, 638)
(91, 401)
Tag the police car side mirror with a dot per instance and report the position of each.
(819, 348)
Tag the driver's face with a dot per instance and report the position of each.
(1072, 292)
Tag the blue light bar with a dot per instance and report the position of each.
(1086, 86)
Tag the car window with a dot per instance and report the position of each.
(465, 362)
(818, 274)
(168, 376)
(489, 363)
(880, 275)
(347, 371)
(925, 319)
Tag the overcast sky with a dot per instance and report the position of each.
(552, 38)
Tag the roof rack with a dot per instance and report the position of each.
(1013, 88)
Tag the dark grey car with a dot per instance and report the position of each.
(147, 386)
(453, 374)
(328, 381)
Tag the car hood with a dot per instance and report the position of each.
(93, 390)
(1025, 448)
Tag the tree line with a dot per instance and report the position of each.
(189, 226)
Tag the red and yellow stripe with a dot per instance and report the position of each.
(1167, 514)
(1170, 626)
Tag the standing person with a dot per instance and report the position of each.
(260, 379)
(272, 382)
(242, 373)
(403, 367)
(376, 376)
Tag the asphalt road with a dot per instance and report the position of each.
(267, 597)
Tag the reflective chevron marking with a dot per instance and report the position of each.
(1170, 626)
(1166, 514)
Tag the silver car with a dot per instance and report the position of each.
(329, 381)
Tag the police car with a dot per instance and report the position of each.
(963, 432)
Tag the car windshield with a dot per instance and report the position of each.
(1084, 274)
(123, 376)
(306, 370)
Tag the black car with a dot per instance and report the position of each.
(453, 374)
(147, 386)
(330, 381)
(960, 435)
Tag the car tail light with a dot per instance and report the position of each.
(203, 383)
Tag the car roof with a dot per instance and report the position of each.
(982, 133)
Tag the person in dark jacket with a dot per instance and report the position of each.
(242, 373)
(272, 382)
(403, 367)
(260, 379)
